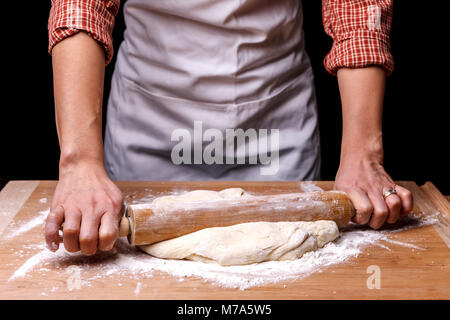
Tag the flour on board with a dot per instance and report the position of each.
(25, 227)
(126, 260)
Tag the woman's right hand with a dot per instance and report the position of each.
(90, 205)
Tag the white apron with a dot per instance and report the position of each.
(225, 63)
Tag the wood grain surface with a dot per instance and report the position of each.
(406, 273)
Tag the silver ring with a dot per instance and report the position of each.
(389, 192)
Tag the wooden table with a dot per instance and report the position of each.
(405, 273)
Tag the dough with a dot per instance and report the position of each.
(247, 243)
(244, 243)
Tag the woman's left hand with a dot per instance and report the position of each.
(365, 181)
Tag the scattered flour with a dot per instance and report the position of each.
(31, 263)
(126, 260)
(25, 227)
(129, 261)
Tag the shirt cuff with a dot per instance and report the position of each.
(66, 20)
(359, 49)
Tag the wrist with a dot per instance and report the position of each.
(70, 159)
(368, 149)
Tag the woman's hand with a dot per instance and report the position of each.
(365, 181)
(85, 199)
(361, 174)
(90, 205)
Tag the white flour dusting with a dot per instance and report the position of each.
(129, 261)
(43, 200)
(25, 227)
(33, 262)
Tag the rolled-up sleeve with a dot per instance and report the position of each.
(360, 30)
(96, 17)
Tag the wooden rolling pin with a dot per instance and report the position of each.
(150, 223)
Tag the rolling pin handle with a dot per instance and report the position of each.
(124, 227)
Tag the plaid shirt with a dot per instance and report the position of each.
(359, 29)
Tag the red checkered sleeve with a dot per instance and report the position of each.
(96, 17)
(360, 31)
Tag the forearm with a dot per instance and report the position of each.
(78, 75)
(362, 94)
(85, 198)
(361, 173)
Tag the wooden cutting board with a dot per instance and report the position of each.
(405, 272)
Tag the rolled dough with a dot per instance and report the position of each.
(244, 243)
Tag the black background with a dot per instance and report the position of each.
(416, 129)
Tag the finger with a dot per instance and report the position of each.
(380, 210)
(89, 234)
(406, 199)
(52, 226)
(362, 204)
(71, 231)
(108, 232)
(394, 205)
